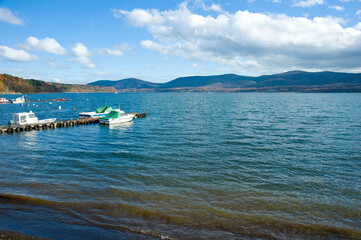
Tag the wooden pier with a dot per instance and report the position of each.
(57, 124)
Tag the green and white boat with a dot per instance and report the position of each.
(115, 117)
(100, 112)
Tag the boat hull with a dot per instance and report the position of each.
(122, 119)
(49, 120)
(91, 114)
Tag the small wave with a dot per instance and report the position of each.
(65, 207)
(199, 221)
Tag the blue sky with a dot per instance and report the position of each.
(83, 41)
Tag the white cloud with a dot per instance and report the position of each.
(116, 51)
(338, 8)
(84, 61)
(111, 52)
(82, 53)
(307, 3)
(57, 80)
(216, 8)
(202, 5)
(80, 50)
(7, 16)
(16, 55)
(251, 41)
(45, 45)
(358, 12)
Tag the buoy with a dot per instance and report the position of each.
(74, 108)
(47, 106)
(59, 107)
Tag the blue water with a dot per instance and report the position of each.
(200, 166)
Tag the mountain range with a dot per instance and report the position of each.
(297, 81)
(294, 81)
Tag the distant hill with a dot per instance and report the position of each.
(12, 84)
(225, 81)
(308, 79)
(297, 81)
(128, 83)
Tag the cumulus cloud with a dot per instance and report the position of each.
(82, 55)
(116, 51)
(45, 45)
(250, 41)
(84, 61)
(16, 55)
(7, 16)
(338, 8)
(307, 3)
(80, 50)
(111, 52)
(358, 26)
(202, 5)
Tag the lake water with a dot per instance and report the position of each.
(200, 166)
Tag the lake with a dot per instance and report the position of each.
(200, 166)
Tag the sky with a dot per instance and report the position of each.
(82, 41)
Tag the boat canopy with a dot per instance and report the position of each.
(112, 114)
(104, 109)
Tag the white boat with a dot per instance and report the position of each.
(115, 117)
(100, 112)
(29, 118)
(3, 100)
(18, 100)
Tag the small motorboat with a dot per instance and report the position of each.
(3, 100)
(29, 118)
(18, 100)
(115, 117)
(100, 112)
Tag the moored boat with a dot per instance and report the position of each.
(25, 118)
(100, 112)
(3, 100)
(115, 117)
(18, 100)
